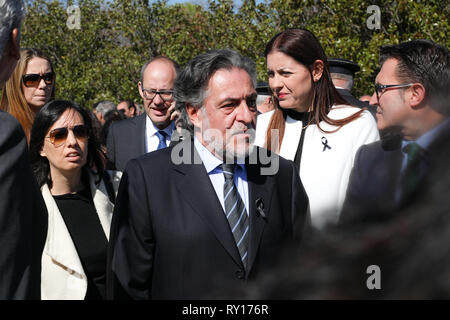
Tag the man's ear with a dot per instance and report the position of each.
(140, 90)
(194, 114)
(417, 95)
(317, 70)
(14, 44)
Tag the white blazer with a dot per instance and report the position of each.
(62, 275)
(324, 171)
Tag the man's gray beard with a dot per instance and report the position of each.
(231, 154)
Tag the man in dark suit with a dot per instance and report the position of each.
(206, 214)
(152, 130)
(411, 95)
(343, 75)
(22, 211)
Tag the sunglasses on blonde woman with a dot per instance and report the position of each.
(58, 136)
(33, 79)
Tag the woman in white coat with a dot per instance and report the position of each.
(312, 124)
(79, 195)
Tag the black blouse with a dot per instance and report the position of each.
(81, 218)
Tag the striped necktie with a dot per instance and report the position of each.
(235, 212)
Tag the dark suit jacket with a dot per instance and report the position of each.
(23, 219)
(170, 238)
(357, 103)
(375, 177)
(125, 141)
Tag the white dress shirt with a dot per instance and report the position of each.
(215, 173)
(151, 139)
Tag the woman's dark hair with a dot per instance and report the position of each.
(43, 121)
(305, 48)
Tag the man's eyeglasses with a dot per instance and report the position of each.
(58, 136)
(33, 79)
(381, 88)
(150, 94)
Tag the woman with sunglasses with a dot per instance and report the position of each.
(312, 124)
(66, 160)
(30, 87)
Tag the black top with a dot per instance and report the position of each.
(306, 118)
(81, 218)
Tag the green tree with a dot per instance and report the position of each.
(102, 60)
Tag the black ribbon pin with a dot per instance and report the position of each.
(259, 204)
(325, 144)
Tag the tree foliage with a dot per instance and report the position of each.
(102, 59)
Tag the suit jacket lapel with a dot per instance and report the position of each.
(260, 190)
(196, 189)
(140, 122)
(390, 189)
(59, 245)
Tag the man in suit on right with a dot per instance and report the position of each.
(22, 211)
(412, 99)
(130, 138)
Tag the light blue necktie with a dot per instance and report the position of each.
(162, 139)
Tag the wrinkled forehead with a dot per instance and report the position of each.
(38, 65)
(232, 83)
(69, 118)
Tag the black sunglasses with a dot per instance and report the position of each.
(381, 88)
(33, 79)
(58, 136)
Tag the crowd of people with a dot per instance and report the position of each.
(222, 186)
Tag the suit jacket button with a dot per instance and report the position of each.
(240, 274)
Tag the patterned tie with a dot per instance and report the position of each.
(162, 139)
(235, 212)
(414, 169)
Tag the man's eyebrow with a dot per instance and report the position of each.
(234, 99)
(230, 99)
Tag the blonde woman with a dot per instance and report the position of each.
(30, 87)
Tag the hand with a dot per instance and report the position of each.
(173, 113)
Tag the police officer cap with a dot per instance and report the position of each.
(343, 66)
(263, 88)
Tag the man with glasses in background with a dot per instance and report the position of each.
(412, 100)
(152, 130)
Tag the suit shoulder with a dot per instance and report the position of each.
(371, 150)
(127, 124)
(342, 111)
(10, 128)
(155, 158)
(9, 123)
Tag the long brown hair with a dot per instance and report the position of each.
(13, 100)
(303, 46)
